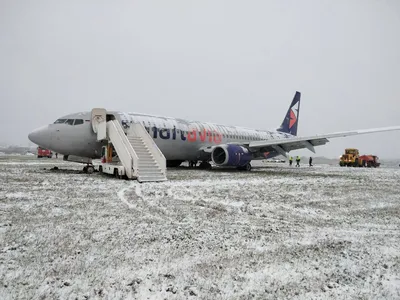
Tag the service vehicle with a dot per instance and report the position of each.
(41, 152)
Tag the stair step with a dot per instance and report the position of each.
(160, 176)
(150, 172)
(146, 170)
(136, 142)
(146, 157)
(147, 162)
(146, 166)
(151, 178)
(149, 166)
(154, 175)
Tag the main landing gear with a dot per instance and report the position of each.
(192, 163)
(89, 169)
(246, 167)
(174, 163)
(205, 165)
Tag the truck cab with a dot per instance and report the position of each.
(349, 158)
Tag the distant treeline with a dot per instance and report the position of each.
(17, 150)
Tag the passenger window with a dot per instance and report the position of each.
(78, 122)
(60, 121)
(70, 122)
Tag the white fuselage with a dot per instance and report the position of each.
(181, 139)
(178, 139)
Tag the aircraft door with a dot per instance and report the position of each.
(99, 123)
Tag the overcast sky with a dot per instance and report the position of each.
(229, 62)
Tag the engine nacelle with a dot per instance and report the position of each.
(231, 155)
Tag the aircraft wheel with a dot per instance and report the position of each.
(90, 169)
(246, 167)
(85, 169)
(101, 169)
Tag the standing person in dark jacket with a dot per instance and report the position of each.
(310, 161)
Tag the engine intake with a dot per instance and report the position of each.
(231, 155)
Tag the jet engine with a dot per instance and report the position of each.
(231, 155)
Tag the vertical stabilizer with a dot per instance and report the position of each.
(291, 120)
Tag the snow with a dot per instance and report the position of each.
(276, 232)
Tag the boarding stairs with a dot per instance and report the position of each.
(151, 164)
(136, 150)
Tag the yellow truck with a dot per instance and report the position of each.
(349, 158)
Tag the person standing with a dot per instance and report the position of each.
(298, 161)
(310, 161)
(290, 161)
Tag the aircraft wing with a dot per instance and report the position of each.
(282, 146)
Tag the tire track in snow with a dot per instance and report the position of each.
(122, 197)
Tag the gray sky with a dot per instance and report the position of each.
(230, 62)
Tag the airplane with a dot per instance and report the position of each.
(183, 140)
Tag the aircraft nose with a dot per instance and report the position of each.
(40, 136)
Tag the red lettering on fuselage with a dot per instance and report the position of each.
(203, 135)
(217, 137)
(192, 136)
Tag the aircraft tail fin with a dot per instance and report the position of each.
(291, 120)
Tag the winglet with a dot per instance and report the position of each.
(291, 120)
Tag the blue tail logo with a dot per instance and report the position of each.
(291, 120)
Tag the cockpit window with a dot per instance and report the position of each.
(60, 121)
(70, 122)
(78, 122)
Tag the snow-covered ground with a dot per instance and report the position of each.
(276, 232)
